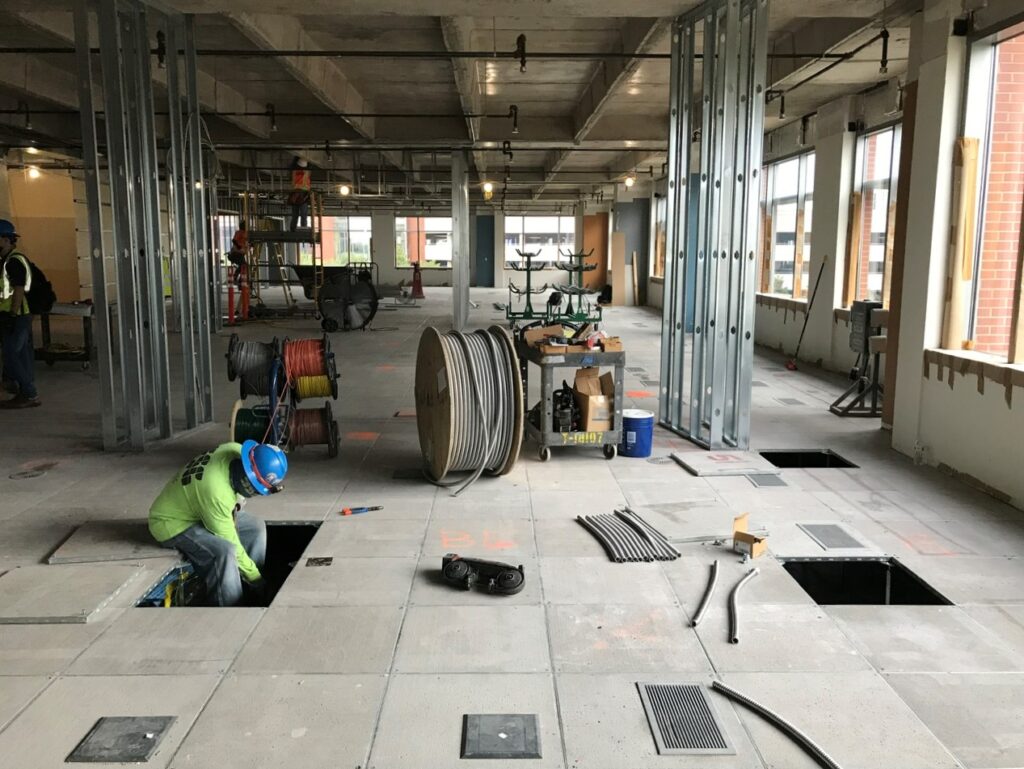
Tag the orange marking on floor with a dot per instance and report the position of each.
(452, 539)
(361, 436)
(639, 394)
(384, 367)
(493, 541)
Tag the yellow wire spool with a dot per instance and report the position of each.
(314, 387)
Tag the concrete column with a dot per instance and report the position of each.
(940, 84)
(833, 177)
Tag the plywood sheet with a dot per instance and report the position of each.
(109, 541)
(34, 595)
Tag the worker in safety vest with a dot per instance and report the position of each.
(199, 512)
(299, 197)
(16, 323)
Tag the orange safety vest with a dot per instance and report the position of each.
(301, 179)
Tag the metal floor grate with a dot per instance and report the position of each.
(682, 720)
(830, 536)
(766, 479)
(121, 739)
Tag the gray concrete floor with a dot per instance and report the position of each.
(370, 663)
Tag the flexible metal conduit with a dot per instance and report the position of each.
(481, 381)
(708, 592)
(812, 748)
(734, 620)
(657, 540)
(605, 542)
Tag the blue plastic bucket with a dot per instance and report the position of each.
(637, 433)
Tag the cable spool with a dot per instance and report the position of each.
(306, 357)
(469, 404)
(249, 357)
(310, 427)
(260, 383)
(253, 424)
(320, 386)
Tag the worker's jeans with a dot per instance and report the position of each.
(300, 212)
(19, 355)
(214, 557)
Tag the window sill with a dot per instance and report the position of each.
(879, 318)
(656, 279)
(949, 363)
(781, 302)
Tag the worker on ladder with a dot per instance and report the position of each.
(199, 512)
(238, 255)
(300, 194)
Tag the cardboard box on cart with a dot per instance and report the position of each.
(595, 396)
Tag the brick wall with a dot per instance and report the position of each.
(1003, 196)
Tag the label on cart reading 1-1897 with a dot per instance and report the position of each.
(582, 439)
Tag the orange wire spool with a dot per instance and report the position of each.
(306, 357)
(312, 427)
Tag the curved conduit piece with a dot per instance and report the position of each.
(708, 592)
(805, 742)
(734, 637)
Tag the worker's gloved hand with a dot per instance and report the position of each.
(258, 589)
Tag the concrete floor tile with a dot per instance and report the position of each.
(776, 638)
(395, 507)
(16, 692)
(591, 476)
(598, 580)
(50, 728)
(491, 537)
(911, 639)
(689, 575)
(349, 582)
(365, 536)
(430, 589)
(830, 708)
(96, 541)
(623, 639)
(972, 579)
(505, 505)
(350, 639)
(473, 639)
(605, 726)
(565, 537)
(67, 593)
(546, 503)
(977, 716)
(1005, 622)
(273, 721)
(407, 740)
(789, 540)
(169, 642)
(44, 649)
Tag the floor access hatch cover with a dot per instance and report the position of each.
(682, 720)
(121, 740)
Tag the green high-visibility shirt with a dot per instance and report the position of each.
(202, 493)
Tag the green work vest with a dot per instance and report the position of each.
(202, 493)
(7, 290)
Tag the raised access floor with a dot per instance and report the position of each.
(371, 663)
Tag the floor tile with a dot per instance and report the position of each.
(430, 589)
(598, 580)
(364, 536)
(473, 639)
(492, 538)
(349, 582)
(350, 639)
(274, 721)
(43, 649)
(16, 692)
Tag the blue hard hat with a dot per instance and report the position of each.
(7, 228)
(265, 466)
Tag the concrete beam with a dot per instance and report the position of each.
(457, 32)
(637, 36)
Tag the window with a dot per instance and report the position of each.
(426, 240)
(227, 226)
(786, 231)
(874, 206)
(660, 235)
(345, 239)
(995, 114)
(543, 235)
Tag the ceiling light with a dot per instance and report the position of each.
(634, 91)
(488, 187)
(199, 185)
(33, 172)
(630, 181)
(344, 190)
(32, 150)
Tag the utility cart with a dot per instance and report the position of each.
(541, 421)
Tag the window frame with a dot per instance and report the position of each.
(423, 217)
(977, 120)
(305, 255)
(558, 257)
(769, 206)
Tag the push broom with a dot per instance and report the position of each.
(791, 363)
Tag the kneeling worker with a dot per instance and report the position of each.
(199, 512)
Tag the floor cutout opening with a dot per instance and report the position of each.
(286, 542)
(806, 458)
(865, 581)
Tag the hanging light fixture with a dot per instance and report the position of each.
(630, 180)
(33, 172)
(345, 190)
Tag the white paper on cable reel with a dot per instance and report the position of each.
(442, 380)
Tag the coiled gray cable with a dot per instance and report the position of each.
(481, 374)
(734, 619)
(251, 361)
(812, 748)
(708, 592)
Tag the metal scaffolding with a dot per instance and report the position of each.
(716, 113)
(132, 332)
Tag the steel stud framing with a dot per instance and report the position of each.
(716, 112)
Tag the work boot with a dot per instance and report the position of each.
(20, 402)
